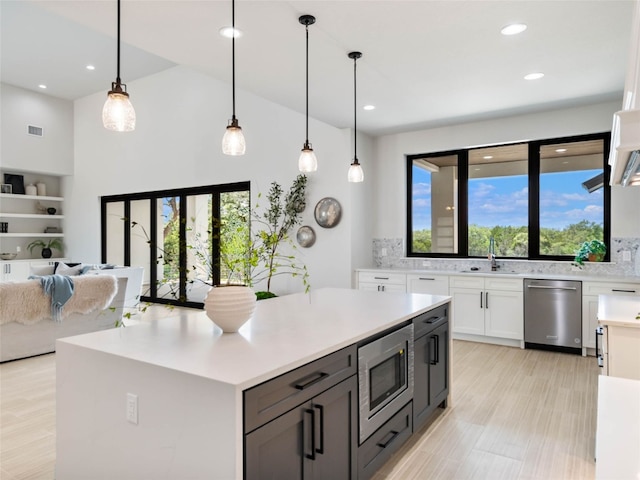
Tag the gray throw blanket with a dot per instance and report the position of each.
(60, 289)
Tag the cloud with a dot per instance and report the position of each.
(421, 189)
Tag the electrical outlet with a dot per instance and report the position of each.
(132, 408)
(626, 256)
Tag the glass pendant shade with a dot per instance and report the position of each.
(233, 140)
(356, 174)
(307, 161)
(118, 113)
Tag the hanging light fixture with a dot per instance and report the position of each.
(233, 139)
(355, 174)
(118, 113)
(307, 161)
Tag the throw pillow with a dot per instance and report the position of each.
(40, 270)
(64, 269)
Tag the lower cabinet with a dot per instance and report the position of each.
(428, 283)
(314, 440)
(384, 442)
(431, 357)
(14, 271)
(382, 281)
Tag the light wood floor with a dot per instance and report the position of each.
(517, 414)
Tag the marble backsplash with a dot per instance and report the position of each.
(389, 253)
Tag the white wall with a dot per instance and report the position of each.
(390, 150)
(181, 116)
(53, 152)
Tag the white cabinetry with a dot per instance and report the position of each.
(487, 307)
(623, 351)
(27, 216)
(590, 292)
(19, 270)
(382, 281)
(428, 283)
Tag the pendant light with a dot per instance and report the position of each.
(355, 174)
(233, 139)
(118, 113)
(307, 161)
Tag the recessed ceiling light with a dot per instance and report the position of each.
(369, 107)
(488, 157)
(90, 67)
(229, 32)
(534, 76)
(513, 29)
(42, 86)
(561, 150)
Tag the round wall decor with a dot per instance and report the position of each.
(328, 212)
(306, 236)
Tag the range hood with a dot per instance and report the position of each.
(624, 156)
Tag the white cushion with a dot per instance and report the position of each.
(41, 270)
(64, 269)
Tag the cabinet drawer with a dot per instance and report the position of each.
(426, 283)
(387, 440)
(509, 284)
(604, 288)
(424, 323)
(467, 281)
(272, 398)
(382, 278)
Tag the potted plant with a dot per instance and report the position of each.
(591, 251)
(46, 246)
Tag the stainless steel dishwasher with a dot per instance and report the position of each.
(553, 315)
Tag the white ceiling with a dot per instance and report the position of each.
(425, 63)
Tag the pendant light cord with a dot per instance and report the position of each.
(233, 58)
(307, 86)
(118, 81)
(355, 109)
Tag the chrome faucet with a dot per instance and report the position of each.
(492, 254)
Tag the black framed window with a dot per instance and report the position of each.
(537, 200)
(185, 239)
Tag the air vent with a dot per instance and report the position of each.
(35, 131)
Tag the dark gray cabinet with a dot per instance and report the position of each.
(304, 423)
(431, 357)
(316, 440)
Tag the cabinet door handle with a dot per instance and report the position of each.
(321, 376)
(320, 449)
(393, 434)
(425, 278)
(435, 319)
(486, 299)
(433, 358)
(481, 300)
(312, 455)
(381, 278)
(622, 290)
(383, 288)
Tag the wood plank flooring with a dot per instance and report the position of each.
(516, 414)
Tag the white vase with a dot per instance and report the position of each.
(230, 306)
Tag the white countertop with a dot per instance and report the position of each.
(508, 273)
(284, 333)
(618, 430)
(619, 310)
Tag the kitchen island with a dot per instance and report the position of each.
(164, 400)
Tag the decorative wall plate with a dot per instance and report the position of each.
(306, 236)
(328, 212)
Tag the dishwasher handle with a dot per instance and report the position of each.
(549, 287)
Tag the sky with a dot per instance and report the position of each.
(504, 200)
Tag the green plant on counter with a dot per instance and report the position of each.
(591, 251)
(51, 243)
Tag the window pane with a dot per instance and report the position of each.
(571, 196)
(234, 236)
(434, 212)
(199, 247)
(115, 237)
(140, 238)
(168, 238)
(498, 202)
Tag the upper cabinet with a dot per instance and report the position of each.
(624, 156)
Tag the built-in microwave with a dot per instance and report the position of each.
(385, 378)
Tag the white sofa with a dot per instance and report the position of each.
(22, 340)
